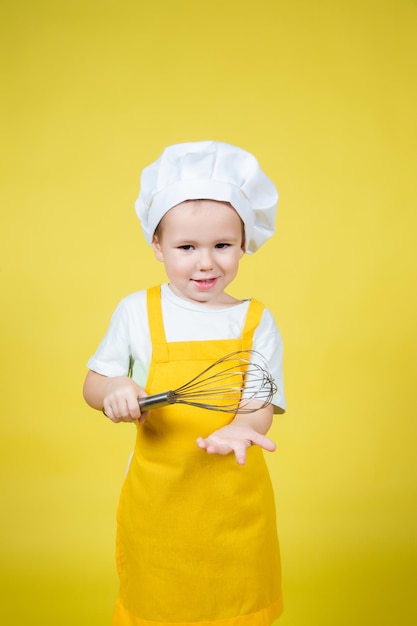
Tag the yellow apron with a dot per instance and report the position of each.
(196, 539)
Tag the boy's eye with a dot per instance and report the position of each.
(186, 247)
(221, 246)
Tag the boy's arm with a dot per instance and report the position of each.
(245, 430)
(116, 396)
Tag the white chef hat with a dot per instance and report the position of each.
(209, 170)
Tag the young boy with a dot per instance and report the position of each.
(197, 540)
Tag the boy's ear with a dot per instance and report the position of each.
(157, 249)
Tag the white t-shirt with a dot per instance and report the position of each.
(128, 335)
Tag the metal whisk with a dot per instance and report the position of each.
(228, 385)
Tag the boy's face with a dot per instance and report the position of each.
(201, 243)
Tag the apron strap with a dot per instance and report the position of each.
(253, 319)
(156, 324)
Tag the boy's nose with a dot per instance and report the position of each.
(205, 261)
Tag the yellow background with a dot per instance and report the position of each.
(324, 93)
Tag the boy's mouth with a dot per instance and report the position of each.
(206, 283)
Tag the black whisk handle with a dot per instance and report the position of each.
(157, 400)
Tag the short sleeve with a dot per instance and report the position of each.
(267, 341)
(127, 336)
(112, 356)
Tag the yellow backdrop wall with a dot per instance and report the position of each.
(324, 93)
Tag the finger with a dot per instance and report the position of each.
(118, 411)
(143, 416)
(263, 442)
(108, 412)
(127, 409)
(240, 455)
(132, 409)
(212, 447)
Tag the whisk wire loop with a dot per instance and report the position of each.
(230, 384)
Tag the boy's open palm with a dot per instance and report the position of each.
(234, 438)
